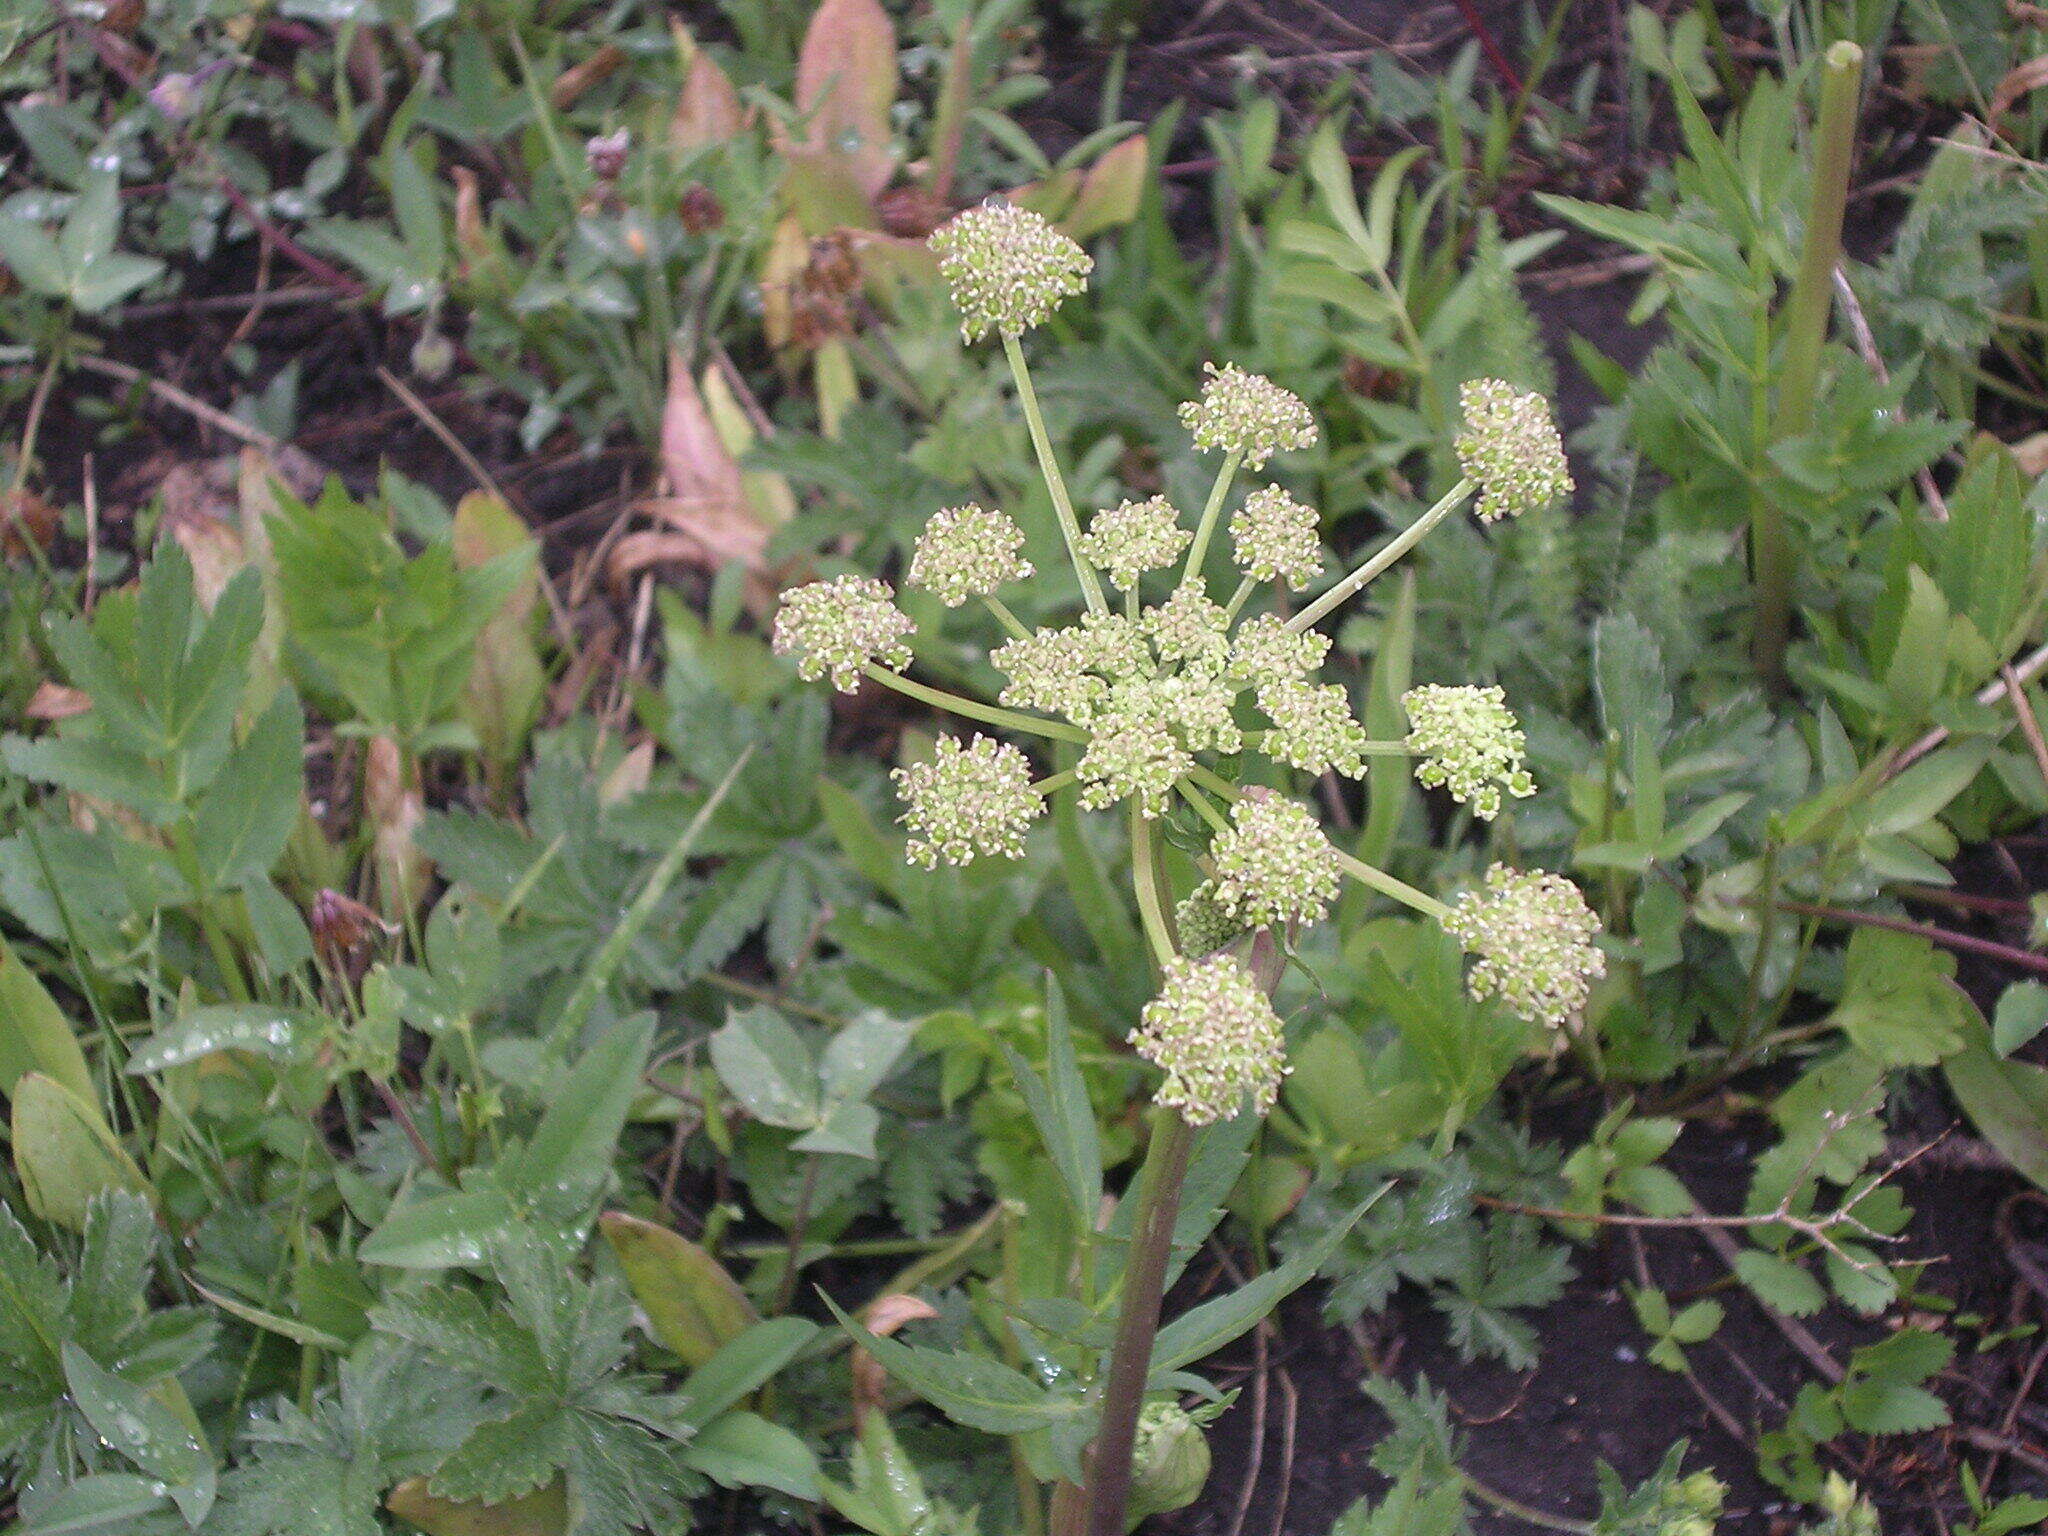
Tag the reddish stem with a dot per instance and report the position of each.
(1488, 46)
(286, 246)
(1948, 937)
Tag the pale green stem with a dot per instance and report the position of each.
(1131, 604)
(1262, 741)
(1379, 880)
(1204, 804)
(1199, 550)
(1052, 783)
(1237, 600)
(1409, 537)
(1055, 484)
(972, 709)
(1145, 881)
(1004, 617)
(1213, 781)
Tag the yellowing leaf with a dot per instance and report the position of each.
(544, 1512)
(64, 1154)
(692, 1304)
(845, 85)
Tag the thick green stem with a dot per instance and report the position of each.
(1379, 880)
(1206, 529)
(1130, 1360)
(1007, 619)
(1406, 540)
(1807, 308)
(1055, 484)
(1145, 881)
(973, 709)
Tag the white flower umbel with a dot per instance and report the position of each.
(1048, 670)
(1007, 268)
(1277, 538)
(1510, 447)
(1531, 935)
(1134, 537)
(967, 799)
(1189, 626)
(1247, 414)
(967, 552)
(1469, 743)
(1312, 727)
(1132, 756)
(1274, 865)
(1217, 1039)
(835, 628)
(1264, 649)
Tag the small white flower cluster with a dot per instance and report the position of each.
(1247, 414)
(1468, 743)
(1217, 1039)
(1532, 935)
(968, 552)
(1126, 541)
(968, 799)
(1008, 269)
(1510, 447)
(1145, 690)
(835, 628)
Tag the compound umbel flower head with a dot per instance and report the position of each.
(837, 627)
(1127, 540)
(1247, 413)
(966, 800)
(967, 552)
(1274, 865)
(1469, 743)
(1007, 268)
(1216, 1037)
(1532, 935)
(1511, 448)
(1277, 537)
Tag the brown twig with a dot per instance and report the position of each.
(2023, 708)
(1948, 938)
(2026, 670)
(1866, 343)
(191, 405)
(286, 246)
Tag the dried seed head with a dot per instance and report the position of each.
(1202, 923)
(1188, 626)
(837, 627)
(1132, 755)
(967, 800)
(1312, 727)
(1128, 540)
(1277, 537)
(1532, 938)
(1263, 650)
(1216, 1037)
(1247, 413)
(1007, 268)
(967, 552)
(1048, 671)
(1468, 743)
(1274, 865)
(1511, 447)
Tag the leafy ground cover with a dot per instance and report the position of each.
(637, 891)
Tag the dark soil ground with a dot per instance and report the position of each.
(1293, 1454)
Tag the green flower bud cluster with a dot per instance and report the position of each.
(967, 552)
(1217, 1039)
(1511, 448)
(1468, 743)
(1007, 268)
(1128, 540)
(1247, 414)
(968, 799)
(1274, 866)
(1277, 538)
(1169, 1463)
(1532, 935)
(835, 628)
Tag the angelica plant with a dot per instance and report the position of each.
(1171, 699)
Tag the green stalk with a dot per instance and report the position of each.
(1055, 484)
(1379, 880)
(972, 709)
(1145, 880)
(1003, 616)
(1807, 308)
(1406, 540)
(1206, 529)
(1130, 1359)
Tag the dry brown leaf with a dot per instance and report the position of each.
(845, 86)
(2031, 453)
(708, 109)
(881, 1317)
(629, 776)
(572, 82)
(396, 807)
(54, 701)
(705, 497)
(2020, 80)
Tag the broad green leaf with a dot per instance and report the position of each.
(742, 1366)
(744, 1450)
(1900, 1003)
(2022, 1014)
(102, 1501)
(859, 1056)
(279, 1033)
(441, 1231)
(969, 1389)
(64, 1154)
(570, 1155)
(138, 1426)
(692, 1304)
(35, 1036)
(242, 822)
(768, 1067)
(848, 1129)
(1925, 789)
(2006, 1100)
(1779, 1283)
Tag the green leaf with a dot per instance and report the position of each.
(1925, 789)
(545, 1512)
(570, 1155)
(969, 1389)
(242, 822)
(2022, 1013)
(1779, 1283)
(281, 1034)
(848, 1130)
(100, 1501)
(441, 1231)
(35, 1036)
(768, 1067)
(692, 1304)
(1060, 1109)
(1200, 1332)
(742, 1366)
(138, 1426)
(744, 1450)
(2006, 1100)
(64, 1153)
(1900, 1004)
